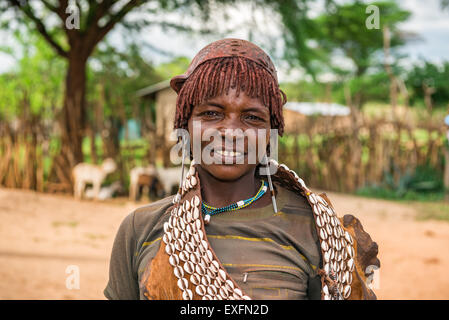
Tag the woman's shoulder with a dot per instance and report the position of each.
(152, 214)
(291, 202)
(154, 209)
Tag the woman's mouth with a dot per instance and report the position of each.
(229, 156)
(226, 153)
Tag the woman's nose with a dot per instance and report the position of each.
(230, 122)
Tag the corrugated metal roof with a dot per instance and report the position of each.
(322, 108)
(153, 88)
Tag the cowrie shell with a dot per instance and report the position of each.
(350, 251)
(326, 256)
(205, 280)
(178, 271)
(196, 201)
(350, 265)
(187, 294)
(169, 248)
(324, 245)
(224, 293)
(348, 237)
(229, 285)
(211, 290)
(195, 279)
(200, 290)
(222, 275)
(195, 213)
(312, 198)
(173, 260)
(323, 234)
(347, 291)
(319, 221)
(182, 283)
(238, 292)
(316, 210)
(325, 290)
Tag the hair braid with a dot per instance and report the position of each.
(215, 77)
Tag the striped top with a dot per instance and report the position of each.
(270, 256)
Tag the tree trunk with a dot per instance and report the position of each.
(73, 117)
(74, 107)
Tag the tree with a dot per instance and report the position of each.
(80, 26)
(30, 96)
(430, 75)
(84, 25)
(73, 28)
(345, 30)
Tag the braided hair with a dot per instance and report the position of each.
(215, 77)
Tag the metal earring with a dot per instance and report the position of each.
(270, 184)
(183, 146)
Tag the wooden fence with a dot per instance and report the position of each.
(332, 156)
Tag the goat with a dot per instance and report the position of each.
(170, 178)
(105, 192)
(134, 178)
(84, 173)
(152, 183)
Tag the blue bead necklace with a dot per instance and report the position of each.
(210, 211)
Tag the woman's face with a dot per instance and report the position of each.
(230, 140)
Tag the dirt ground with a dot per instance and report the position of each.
(42, 236)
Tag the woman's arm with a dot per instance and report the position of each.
(123, 283)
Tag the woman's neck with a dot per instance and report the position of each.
(220, 193)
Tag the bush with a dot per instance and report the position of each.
(425, 184)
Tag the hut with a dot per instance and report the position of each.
(164, 99)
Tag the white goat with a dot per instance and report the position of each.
(105, 192)
(84, 173)
(134, 178)
(170, 177)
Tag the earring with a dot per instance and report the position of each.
(183, 146)
(270, 183)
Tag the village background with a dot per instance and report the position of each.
(368, 90)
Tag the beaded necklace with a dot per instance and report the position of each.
(210, 211)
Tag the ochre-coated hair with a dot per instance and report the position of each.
(215, 77)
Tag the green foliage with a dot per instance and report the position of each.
(300, 28)
(36, 83)
(434, 76)
(426, 183)
(304, 90)
(173, 68)
(344, 29)
(375, 87)
(121, 74)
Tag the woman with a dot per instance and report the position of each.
(234, 231)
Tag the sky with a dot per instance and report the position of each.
(428, 22)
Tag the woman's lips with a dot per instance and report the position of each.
(230, 156)
(229, 153)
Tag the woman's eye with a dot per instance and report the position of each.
(209, 114)
(253, 117)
